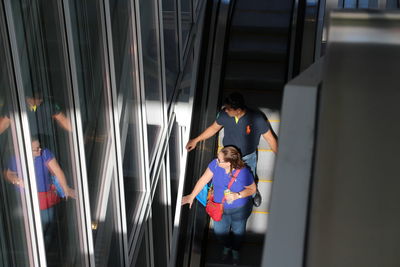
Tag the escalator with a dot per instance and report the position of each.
(264, 44)
(257, 51)
(249, 54)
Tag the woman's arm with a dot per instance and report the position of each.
(13, 178)
(204, 179)
(248, 191)
(56, 170)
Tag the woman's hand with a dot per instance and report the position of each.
(18, 182)
(13, 178)
(69, 192)
(232, 196)
(187, 200)
(204, 179)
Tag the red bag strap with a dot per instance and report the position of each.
(234, 178)
(231, 182)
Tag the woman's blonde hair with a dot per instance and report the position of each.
(233, 156)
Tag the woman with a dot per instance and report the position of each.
(237, 204)
(46, 165)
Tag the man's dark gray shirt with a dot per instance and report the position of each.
(245, 134)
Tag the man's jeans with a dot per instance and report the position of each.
(251, 161)
(235, 220)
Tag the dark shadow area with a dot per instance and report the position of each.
(250, 254)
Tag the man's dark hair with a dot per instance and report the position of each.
(235, 101)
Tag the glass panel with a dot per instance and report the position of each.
(174, 165)
(108, 251)
(160, 223)
(129, 123)
(367, 4)
(171, 48)
(96, 108)
(143, 258)
(175, 145)
(350, 4)
(152, 74)
(44, 69)
(392, 4)
(186, 83)
(194, 4)
(13, 217)
(186, 21)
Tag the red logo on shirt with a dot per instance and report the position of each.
(248, 130)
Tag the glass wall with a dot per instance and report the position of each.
(88, 148)
(42, 63)
(125, 69)
(175, 141)
(174, 164)
(94, 88)
(171, 48)
(186, 84)
(143, 257)
(186, 21)
(151, 59)
(14, 228)
(161, 222)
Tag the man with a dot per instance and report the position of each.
(242, 129)
(40, 112)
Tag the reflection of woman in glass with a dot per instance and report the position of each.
(237, 204)
(45, 166)
(4, 120)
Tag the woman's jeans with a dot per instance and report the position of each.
(47, 217)
(233, 220)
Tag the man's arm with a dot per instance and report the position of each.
(63, 121)
(209, 132)
(270, 138)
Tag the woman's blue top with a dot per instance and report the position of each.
(43, 178)
(221, 180)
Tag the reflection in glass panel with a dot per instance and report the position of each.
(174, 165)
(152, 71)
(95, 108)
(186, 21)
(108, 251)
(143, 257)
(161, 223)
(175, 141)
(124, 63)
(186, 83)
(13, 217)
(44, 70)
(171, 47)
